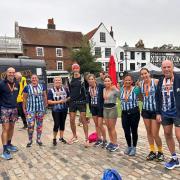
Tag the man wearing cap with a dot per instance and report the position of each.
(168, 109)
(77, 103)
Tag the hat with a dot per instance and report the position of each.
(75, 66)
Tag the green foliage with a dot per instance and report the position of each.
(86, 59)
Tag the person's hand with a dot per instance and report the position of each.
(158, 118)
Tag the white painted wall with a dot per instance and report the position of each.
(110, 43)
(138, 58)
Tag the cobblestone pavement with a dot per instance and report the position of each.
(71, 162)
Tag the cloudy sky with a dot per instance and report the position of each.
(157, 22)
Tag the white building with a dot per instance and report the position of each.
(103, 44)
(131, 58)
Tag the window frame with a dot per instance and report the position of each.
(61, 52)
(106, 52)
(62, 65)
(37, 52)
(134, 66)
(102, 37)
(97, 55)
(132, 55)
(143, 57)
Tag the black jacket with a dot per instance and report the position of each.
(176, 88)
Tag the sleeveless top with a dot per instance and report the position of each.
(149, 102)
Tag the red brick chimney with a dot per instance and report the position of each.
(51, 24)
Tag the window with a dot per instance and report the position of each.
(143, 55)
(39, 51)
(59, 65)
(143, 64)
(132, 66)
(132, 55)
(59, 52)
(97, 51)
(121, 56)
(102, 37)
(121, 67)
(107, 52)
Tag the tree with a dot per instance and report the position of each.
(86, 59)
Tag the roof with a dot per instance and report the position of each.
(50, 37)
(90, 34)
(22, 62)
(127, 48)
(164, 50)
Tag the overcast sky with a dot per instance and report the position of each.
(157, 22)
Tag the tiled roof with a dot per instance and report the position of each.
(50, 37)
(90, 34)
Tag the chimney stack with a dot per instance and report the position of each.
(111, 33)
(51, 24)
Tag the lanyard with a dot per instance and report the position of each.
(168, 86)
(11, 88)
(93, 91)
(147, 88)
(127, 93)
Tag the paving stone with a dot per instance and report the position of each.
(76, 162)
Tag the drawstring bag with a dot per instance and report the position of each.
(92, 137)
(111, 174)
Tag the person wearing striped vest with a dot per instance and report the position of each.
(168, 109)
(148, 87)
(130, 114)
(34, 104)
(96, 101)
(57, 98)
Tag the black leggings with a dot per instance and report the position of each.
(59, 120)
(130, 124)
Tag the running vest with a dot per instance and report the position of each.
(35, 100)
(132, 101)
(61, 94)
(94, 95)
(168, 101)
(149, 102)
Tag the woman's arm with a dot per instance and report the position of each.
(25, 95)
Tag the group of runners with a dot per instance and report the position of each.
(160, 105)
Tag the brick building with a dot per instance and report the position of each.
(54, 46)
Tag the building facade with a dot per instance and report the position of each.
(131, 58)
(54, 46)
(102, 43)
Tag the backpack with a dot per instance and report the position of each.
(111, 174)
(92, 137)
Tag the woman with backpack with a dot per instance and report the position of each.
(57, 98)
(96, 101)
